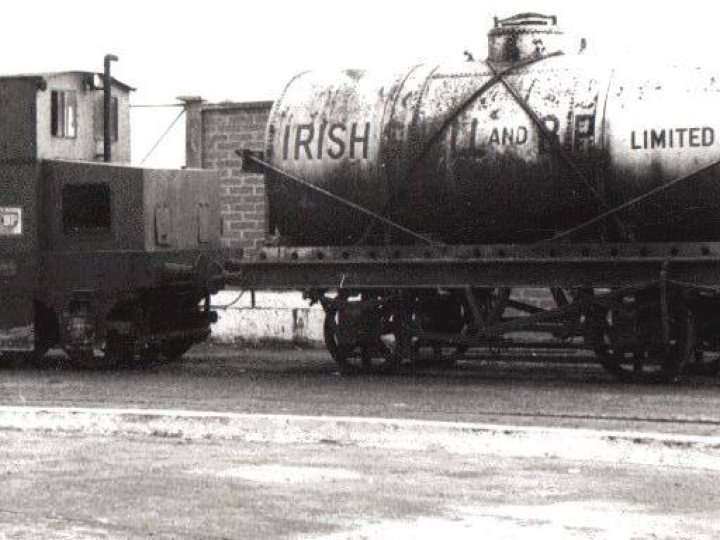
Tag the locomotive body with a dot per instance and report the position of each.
(107, 261)
(449, 152)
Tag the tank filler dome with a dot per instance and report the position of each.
(524, 36)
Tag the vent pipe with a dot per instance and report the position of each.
(107, 108)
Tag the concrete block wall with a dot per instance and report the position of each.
(215, 132)
(267, 318)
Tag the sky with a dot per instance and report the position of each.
(244, 50)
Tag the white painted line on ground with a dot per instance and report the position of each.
(674, 450)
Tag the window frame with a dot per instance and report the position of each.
(63, 113)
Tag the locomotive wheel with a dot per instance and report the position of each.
(173, 349)
(121, 350)
(116, 351)
(91, 359)
(169, 351)
(647, 361)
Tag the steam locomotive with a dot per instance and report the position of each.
(414, 204)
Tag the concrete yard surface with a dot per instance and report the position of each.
(80, 486)
(631, 447)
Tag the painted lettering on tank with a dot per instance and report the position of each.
(324, 140)
(664, 138)
(508, 136)
(356, 138)
(303, 139)
(337, 137)
(552, 125)
(321, 139)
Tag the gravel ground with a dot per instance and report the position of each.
(83, 487)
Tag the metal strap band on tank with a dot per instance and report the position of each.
(337, 198)
(632, 202)
(557, 148)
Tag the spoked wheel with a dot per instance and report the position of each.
(383, 347)
(364, 336)
(629, 345)
(704, 362)
(340, 339)
(445, 314)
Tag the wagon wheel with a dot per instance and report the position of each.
(383, 344)
(364, 336)
(447, 315)
(340, 337)
(646, 359)
(704, 362)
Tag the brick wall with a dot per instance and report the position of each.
(214, 133)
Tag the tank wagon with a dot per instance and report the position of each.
(412, 204)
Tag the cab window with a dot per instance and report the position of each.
(86, 208)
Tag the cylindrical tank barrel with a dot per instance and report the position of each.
(464, 156)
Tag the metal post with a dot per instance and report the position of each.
(193, 130)
(107, 108)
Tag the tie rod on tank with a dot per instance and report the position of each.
(248, 155)
(632, 202)
(557, 148)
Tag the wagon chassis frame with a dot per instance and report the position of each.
(693, 265)
(588, 281)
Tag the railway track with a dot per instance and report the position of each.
(500, 390)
